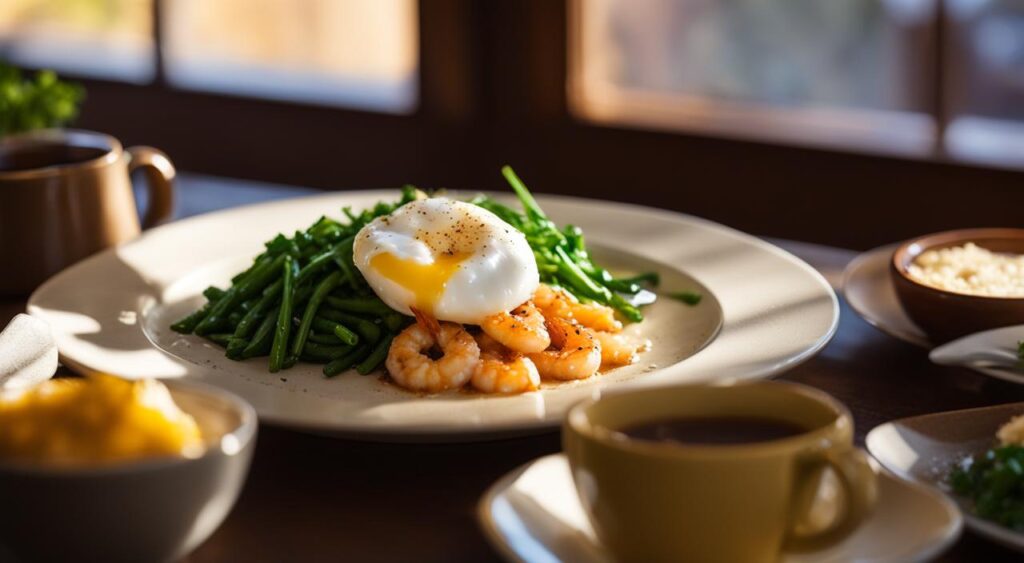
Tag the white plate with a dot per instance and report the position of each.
(999, 343)
(924, 448)
(111, 313)
(533, 515)
(868, 289)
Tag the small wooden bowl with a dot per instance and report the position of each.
(945, 315)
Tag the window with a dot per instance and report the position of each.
(985, 85)
(353, 53)
(357, 53)
(104, 38)
(841, 72)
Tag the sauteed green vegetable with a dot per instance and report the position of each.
(304, 299)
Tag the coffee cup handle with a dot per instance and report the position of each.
(159, 181)
(858, 481)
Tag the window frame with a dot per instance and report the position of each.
(493, 90)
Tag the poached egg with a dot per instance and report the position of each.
(453, 260)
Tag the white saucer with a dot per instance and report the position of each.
(924, 448)
(533, 515)
(868, 289)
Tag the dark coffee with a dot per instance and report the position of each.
(714, 430)
(46, 154)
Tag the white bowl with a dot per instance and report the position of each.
(149, 510)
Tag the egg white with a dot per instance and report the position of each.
(498, 274)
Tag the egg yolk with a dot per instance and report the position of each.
(99, 419)
(426, 281)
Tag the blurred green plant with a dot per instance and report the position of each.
(36, 102)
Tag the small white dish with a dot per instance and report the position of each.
(533, 515)
(156, 509)
(993, 352)
(867, 287)
(763, 312)
(924, 448)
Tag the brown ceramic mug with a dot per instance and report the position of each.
(66, 194)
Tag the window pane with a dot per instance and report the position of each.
(985, 85)
(357, 53)
(103, 38)
(840, 72)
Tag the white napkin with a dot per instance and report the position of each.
(28, 353)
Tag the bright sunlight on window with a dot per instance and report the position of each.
(845, 73)
(354, 53)
(104, 38)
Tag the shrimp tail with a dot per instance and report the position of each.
(428, 322)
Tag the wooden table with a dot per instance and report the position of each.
(317, 499)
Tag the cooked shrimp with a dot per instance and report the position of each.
(522, 329)
(616, 349)
(501, 370)
(411, 368)
(557, 303)
(552, 302)
(595, 316)
(576, 354)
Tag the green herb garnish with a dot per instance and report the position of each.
(994, 483)
(691, 298)
(37, 102)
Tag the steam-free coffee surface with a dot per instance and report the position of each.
(713, 430)
(43, 155)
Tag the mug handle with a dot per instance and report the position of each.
(858, 481)
(159, 180)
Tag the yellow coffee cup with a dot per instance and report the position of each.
(669, 501)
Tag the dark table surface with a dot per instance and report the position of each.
(316, 499)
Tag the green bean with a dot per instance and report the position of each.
(248, 304)
(260, 277)
(188, 324)
(213, 293)
(533, 211)
(262, 340)
(284, 317)
(691, 298)
(235, 349)
(326, 352)
(322, 289)
(625, 308)
(395, 322)
(376, 357)
(261, 259)
(324, 338)
(367, 330)
(650, 277)
(347, 361)
(344, 261)
(340, 331)
(578, 280)
(221, 339)
(364, 305)
(257, 312)
(318, 262)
